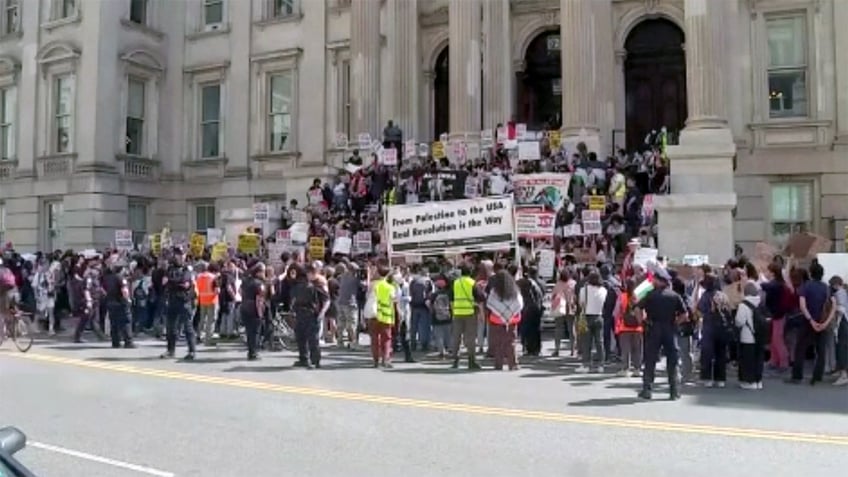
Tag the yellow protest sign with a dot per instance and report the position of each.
(197, 243)
(316, 248)
(156, 244)
(248, 243)
(555, 139)
(597, 202)
(219, 251)
(437, 149)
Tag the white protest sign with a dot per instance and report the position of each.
(529, 151)
(123, 240)
(299, 216)
(472, 151)
(423, 149)
(486, 138)
(283, 237)
(214, 236)
(342, 245)
(547, 263)
(592, 222)
(299, 233)
(364, 140)
(362, 243)
(573, 230)
(520, 131)
(389, 157)
(260, 213)
(696, 260)
(443, 138)
(642, 256)
(454, 224)
(409, 149)
(501, 134)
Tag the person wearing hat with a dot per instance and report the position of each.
(179, 289)
(661, 310)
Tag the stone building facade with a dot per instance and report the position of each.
(139, 113)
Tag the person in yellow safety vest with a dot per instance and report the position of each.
(464, 316)
(207, 300)
(389, 196)
(385, 294)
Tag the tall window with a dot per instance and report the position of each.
(2, 223)
(135, 117)
(137, 220)
(213, 12)
(8, 108)
(344, 97)
(282, 8)
(791, 209)
(53, 224)
(11, 15)
(787, 69)
(210, 121)
(280, 111)
(138, 11)
(63, 113)
(204, 217)
(65, 8)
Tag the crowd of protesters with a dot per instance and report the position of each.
(736, 315)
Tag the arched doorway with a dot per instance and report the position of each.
(540, 84)
(441, 95)
(654, 80)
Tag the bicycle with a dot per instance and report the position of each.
(18, 326)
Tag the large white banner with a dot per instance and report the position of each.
(470, 223)
(547, 190)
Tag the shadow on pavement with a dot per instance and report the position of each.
(124, 359)
(258, 369)
(612, 402)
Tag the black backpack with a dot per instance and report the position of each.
(419, 292)
(759, 320)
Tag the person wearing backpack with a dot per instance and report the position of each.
(629, 330)
(753, 329)
(420, 291)
(441, 314)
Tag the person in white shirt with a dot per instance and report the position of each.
(591, 299)
(751, 353)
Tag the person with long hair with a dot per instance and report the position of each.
(563, 309)
(504, 305)
(715, 309)
(629, 329)
(778, 301)
(591, 298)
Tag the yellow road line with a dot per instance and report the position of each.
(685, 428)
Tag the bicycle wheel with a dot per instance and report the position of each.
(21, 334)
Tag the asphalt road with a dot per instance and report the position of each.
(94, 411)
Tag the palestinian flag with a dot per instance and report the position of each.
(643, 289)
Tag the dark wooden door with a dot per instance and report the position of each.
(441, 95)
(655, 80)
(540, 86)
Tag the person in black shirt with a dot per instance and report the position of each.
(179, 292)
(118, 306)
(307, 301)
(661, 310)
(253, 307)
(157, 280)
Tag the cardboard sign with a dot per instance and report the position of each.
(806, 245)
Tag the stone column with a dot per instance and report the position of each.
(579, 99)
(706, 62)
(464, 64)
(696, 218)
(840, 11)
(498, 97)
(428, 98)
(365, 77)
(406, 65)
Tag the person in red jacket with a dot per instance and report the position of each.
(628, 329)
